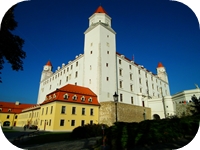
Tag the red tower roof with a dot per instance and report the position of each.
(160, 65)
(100, 10)
(48, 63)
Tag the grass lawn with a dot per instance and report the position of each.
(9, 130)
(48, 137)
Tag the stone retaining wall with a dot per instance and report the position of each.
(125, 113)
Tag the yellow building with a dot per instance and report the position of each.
(29, 116)
(63, 110)
(10, 111)
(67, 108)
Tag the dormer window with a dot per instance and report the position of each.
(82, 98)
(50, 97)
(74, 97)
(54, 95)
(0, 109)
(90, 99)
(9, 110)
(65, 96)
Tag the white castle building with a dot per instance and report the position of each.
(105, 71)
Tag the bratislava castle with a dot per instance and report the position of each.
(104, 70)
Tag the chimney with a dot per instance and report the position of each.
(16, 103)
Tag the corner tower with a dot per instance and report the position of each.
(100, 56)
(161, 72)
(47, 71)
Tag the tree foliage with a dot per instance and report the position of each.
(10, 44)
(196, 103)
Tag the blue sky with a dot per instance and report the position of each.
(154, 31)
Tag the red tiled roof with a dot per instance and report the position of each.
(100, 10)
(48, 63)
(5, 106)
(72, 90)
(160, 65)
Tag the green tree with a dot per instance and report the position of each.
(10, 44)
(196, 103)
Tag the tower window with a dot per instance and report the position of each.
(129, 66)
(71, 67)
(120, 84)
(120, 72)
(107, 52)
(76, 63)
(90, 52)
(107, 78)
(131, 76)
(121, 97)
(131, 100)
(120, 62)
(140, 81)
(76, 74)
(106, 64)
(131, 87)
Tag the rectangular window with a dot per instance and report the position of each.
(91, 112)
(120, 72)
(129, 66)
(91, 122)
(67, 79)
(41, 122)
(107, 78)
(90, 52)
(147, 83)
(62, 121)
(76, 63)
(120, 62)
(51, 109)
(131, 76)
(71, 67)
(131, 100)
(60, 82)
(67, 69)
(146, 75)
(140, 90)
(63, 109)
(139, 71)
(49, 122)
(82, 122)
(8, 116)
(73, 123)
(121, 97)
(83, 111)
(76, 74)
(143, 104)
(106, 64)
(46, 110)
(152, 86)
(120, 84)
(131, 87)
(140, 81)
(73, 110)
(107, 52)
(42, 111)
